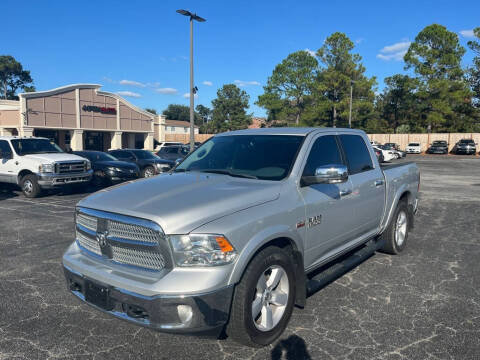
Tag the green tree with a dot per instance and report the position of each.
(445, 98)
(151, 111)
(474, 70)
(204, 113)
(179, 112)
(13, 77)
(289, 86)
(229, 109)
(339, 68)
(399, 101)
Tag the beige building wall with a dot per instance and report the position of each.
(54, 111)
(97, 120)
(10, 118)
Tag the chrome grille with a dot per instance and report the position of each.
(145, 259)
(88, 243)
(70, 167)
(122, 230)
(129, 241)
(87, 221)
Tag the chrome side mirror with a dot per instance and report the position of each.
(327, 174)
(178, 161)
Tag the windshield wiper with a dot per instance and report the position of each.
(229, 173)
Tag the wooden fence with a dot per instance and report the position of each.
(424, 139)
(401, 139)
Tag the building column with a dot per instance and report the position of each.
(6, 132)
(148, 142)
(116, 142)
(26, 132)
(76, 141)
(161, 127)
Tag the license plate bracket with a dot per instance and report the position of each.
(98, 295)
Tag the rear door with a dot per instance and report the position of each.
(328, 206)
(368, 196)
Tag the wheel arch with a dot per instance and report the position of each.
(283, 241)
(22, 173)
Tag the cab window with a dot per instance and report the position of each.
(324, 151)
(357, 154)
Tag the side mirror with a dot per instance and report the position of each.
(327, 174)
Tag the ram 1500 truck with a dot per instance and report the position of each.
(35, 164)
(230, 238)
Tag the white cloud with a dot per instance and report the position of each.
(168, 91)
(467, 33)
(311, 52)
(132, 83)
(242, 83)
(129, 94)
(208, 83)
(187, 96)
(394, 52)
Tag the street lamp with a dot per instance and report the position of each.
(192, 88)
(351, 100)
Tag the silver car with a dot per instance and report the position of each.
(227, 240)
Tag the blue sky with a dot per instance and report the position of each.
(140, 49)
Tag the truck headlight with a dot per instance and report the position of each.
(201, 250)
(88, 165)
(46, 168)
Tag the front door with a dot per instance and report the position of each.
(327, 206)
(8, 168)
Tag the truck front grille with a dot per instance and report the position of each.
(122, 239)
(70, 167)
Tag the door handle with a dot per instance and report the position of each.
(345, 192)
(378, 182)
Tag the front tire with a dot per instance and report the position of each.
(396, 234)
(263, 300)
(149, 171)
(30, 187)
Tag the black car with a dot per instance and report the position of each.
(438, 147)
(148, 163)
(466, 146)
(173, 152)
(107, 169)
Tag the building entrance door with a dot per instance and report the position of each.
(93, 141)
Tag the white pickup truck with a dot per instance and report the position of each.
(36, 164)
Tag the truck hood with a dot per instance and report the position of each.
(50, 157)
(181, 202)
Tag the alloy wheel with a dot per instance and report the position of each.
(271, 298)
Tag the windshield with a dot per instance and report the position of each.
(413, 144)
(266, 157)
(144, 155)
(35, 146)
(466, 141)
(439, 143)
(98, 156)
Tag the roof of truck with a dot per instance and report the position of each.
(288, 131)
(20, 137)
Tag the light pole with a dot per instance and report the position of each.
(192, 88)
(351, 100)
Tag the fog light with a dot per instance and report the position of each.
(185, 313)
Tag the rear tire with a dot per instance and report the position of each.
(30, 187)
(396, 234)
(273, 271)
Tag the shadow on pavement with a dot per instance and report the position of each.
(292, 348)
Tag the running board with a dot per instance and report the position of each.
(341, 266)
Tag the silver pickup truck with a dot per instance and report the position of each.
(233, 237)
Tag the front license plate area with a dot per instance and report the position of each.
(98, 295)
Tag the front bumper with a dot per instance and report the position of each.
(438, 151)
(466, 151)
(208, 312)
(122, 175)
(54, 180)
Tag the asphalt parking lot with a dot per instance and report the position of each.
(422, 304)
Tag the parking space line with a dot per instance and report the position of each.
(42, 203)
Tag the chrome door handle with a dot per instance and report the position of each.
(345, 192)
(378, 182)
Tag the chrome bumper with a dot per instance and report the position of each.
(206, 312)
(54, 180)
